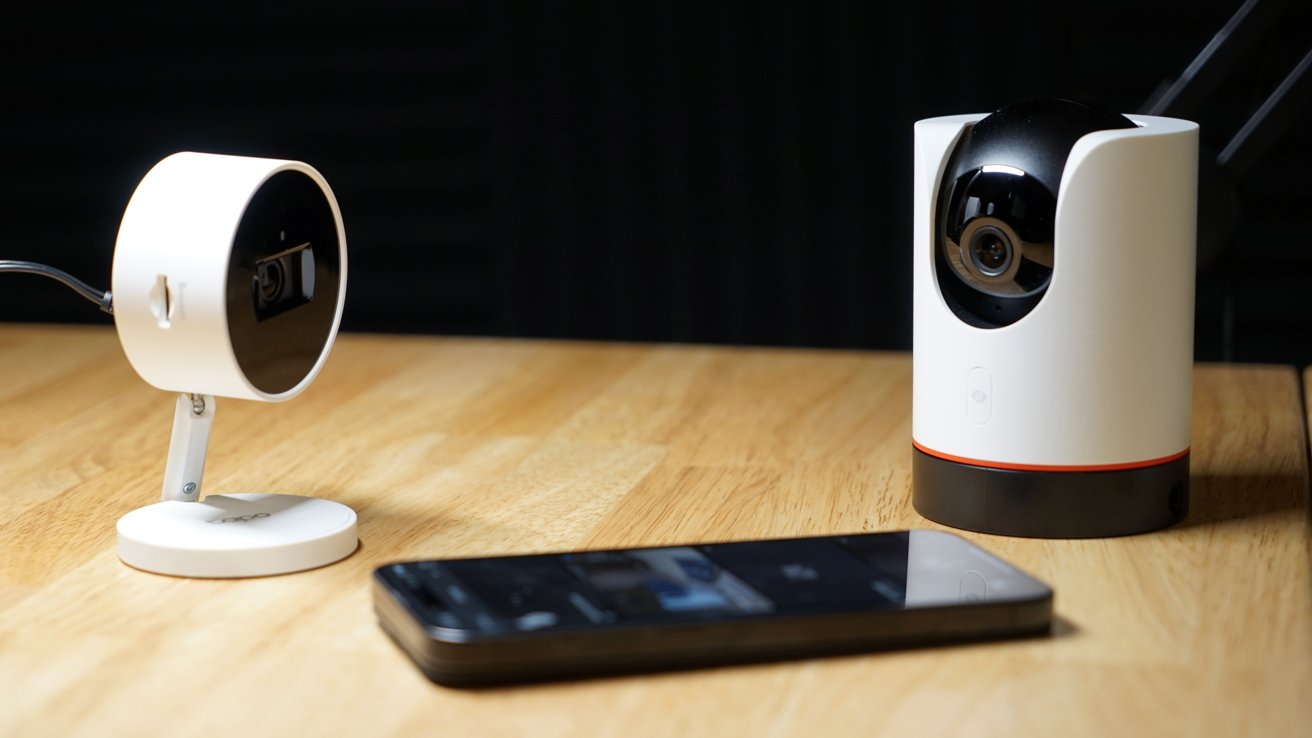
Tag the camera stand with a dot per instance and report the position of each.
(227, 536)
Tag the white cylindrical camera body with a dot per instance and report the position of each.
(1072, 418)
(229, 276)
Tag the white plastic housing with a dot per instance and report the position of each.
(239, 535)
(193, 417)
(1099, 374)
(171, 266)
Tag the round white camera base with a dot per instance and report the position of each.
(237, 535)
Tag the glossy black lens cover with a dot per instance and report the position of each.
(1006, 169)
(284, 280)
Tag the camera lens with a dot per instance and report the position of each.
(991, 251)
(268, 281)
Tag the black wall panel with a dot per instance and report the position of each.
(711, 172)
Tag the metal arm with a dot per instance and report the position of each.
(192, 418)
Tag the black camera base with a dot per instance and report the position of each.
(1050, 504)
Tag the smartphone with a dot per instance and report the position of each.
(549, 616)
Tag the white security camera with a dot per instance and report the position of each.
(229, 278)
(1053, 320)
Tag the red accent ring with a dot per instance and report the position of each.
(1050, 467)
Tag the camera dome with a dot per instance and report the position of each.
(997, 207)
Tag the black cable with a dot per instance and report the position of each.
(102, 298)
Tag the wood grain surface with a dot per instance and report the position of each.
(452, 447)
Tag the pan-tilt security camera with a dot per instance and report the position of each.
(228, 280)
(1053, 320)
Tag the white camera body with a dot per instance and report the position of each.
(229, 279)
(181, 295)
(1053, 322)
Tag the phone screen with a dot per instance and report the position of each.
(710, 582)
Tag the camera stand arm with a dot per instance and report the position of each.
(192, 417)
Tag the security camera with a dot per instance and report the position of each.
(228, 280)
(1053, 320)
(228, 276)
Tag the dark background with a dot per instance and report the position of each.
(712, 172)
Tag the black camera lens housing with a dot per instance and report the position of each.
(997, 206)
(268, 283)
(991, 251)
(283, 281)
(997, 238)
(284, 276)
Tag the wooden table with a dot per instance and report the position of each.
(464, 446)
